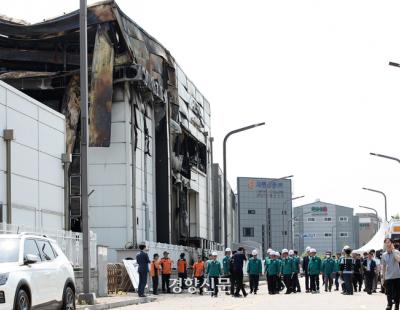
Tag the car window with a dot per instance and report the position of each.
(30, 247)
(45, 250)
(9, 250)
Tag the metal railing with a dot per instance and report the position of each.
(69, 242)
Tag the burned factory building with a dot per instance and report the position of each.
(149, 126)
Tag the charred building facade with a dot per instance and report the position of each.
(149, 126)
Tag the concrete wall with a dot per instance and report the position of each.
(37, 171)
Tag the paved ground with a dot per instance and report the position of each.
(322, 301)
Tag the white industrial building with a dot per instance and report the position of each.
(37, 175)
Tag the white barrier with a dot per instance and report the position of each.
(70, 242)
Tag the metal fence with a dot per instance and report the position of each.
(70, 242)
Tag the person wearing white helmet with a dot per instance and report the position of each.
(314, 270)
(273, 273)
(296, 270)
(214, 271)
(306, 261)
(254, 269)
(226, 263)
(267, 262)
(287, 270)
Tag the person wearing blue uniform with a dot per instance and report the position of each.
(142, 259)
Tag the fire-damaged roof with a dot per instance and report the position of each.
(45, 57)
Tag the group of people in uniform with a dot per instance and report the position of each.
(345, 271)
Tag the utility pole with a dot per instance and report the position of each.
(86, 297)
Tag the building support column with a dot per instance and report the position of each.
(66, 160)
(8, 136)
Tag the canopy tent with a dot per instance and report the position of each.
(376, 243)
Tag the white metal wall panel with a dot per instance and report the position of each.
(25, 193)
(107, 217)
(19, 101)
(51, 197)
(50, 170)
(107, 174)
(37, 177)
(112, 195)
(25, 161)
(25, 128)
(51, 141)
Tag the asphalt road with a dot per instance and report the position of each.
(322, 301)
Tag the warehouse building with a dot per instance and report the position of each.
(32, 144)
(265, 211)
(325, 227)
(368, 226)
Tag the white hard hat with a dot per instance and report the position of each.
(313, 251)
(273, 253)
(228, 250)
(308, 249)
(214, 254)
(254, 252)
(346, 247)
(285, 251)
(270, 250)
(291, 252)
(278, 254)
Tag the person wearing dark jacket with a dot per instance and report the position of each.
(357, 273)
(306, 260)
(346, 268)
(143, 261)
(369, 266)
(238, 260)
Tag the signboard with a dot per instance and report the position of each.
(263, 184)
(318, 211)
(132, 269)
(309, 235)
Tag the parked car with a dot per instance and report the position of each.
(34, 272)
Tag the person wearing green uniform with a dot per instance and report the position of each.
(296, 270)
(274, 272)
(328, 269)
(336, 270)
(287, 270)
(214, 271)
(267, 262)
(314, 270)
(281, 286)
(254, 269)
(226, 264)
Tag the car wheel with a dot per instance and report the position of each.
(23, 302)
(69, 299)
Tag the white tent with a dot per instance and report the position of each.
(376, 243)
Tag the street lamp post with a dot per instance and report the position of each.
(225, 174)
(334, 226)
(384, 196)
(376, 213)
(283, 216)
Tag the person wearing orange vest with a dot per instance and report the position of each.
(166, 265)
(198, 273)
(155, 272)
(182, 270)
